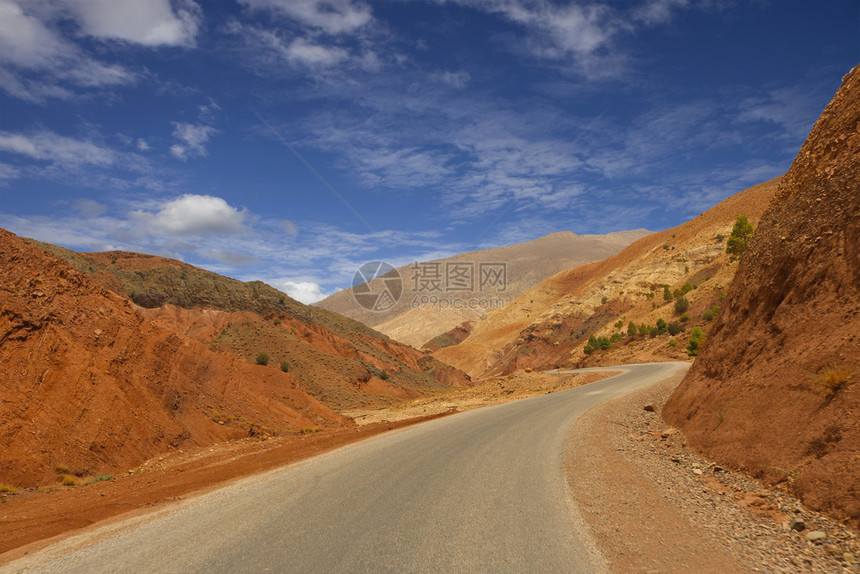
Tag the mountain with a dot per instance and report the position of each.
(93, 382)
(549, 324)
(776, 388)
(424, 311)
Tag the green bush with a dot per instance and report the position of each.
(619, 323)
(740, 236)
(667, 295)
(711, 313)
(262, 358)
(384, 375)
(681, 304)
(684, 318)
(673, 342)
(285, 366)
(674, 328)
(662, 327)
(697, 337)
(631, 329)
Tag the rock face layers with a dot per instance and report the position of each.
(776, 388)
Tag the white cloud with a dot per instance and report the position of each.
(230, 257)
(198, 215)
(192, 138)
(39, 59)
(305, 291)
(9, 171)
(54, 148)
(90, 208)
(145, 22)
(330, 16)
(24, 40)
(142, 145)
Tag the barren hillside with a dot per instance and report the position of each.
(415, 319)
(549, 324)
(92, 383)
(775, 390)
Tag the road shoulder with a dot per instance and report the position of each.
(653, 505)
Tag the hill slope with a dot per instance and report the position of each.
(526, 263)
(548, 325)
(93, 383)
(751, 399)
(337, 359)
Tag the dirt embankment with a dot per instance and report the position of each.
(90, 385)
(776, 388)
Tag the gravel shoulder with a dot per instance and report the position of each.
(653, 505)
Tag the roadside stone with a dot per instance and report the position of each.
(697, 471)
(815, 536)
(797, 524)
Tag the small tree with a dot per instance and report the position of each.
(740, 236)
(631, 329)
(667, 295)
(662, 326)
(697, 337)
(674, 328)
(681, 304)
(262, 358)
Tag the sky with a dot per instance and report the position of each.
(291, 141)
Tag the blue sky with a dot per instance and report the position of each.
(293, 140)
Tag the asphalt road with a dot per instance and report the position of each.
(481, 491)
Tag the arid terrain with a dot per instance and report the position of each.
(775, 390)
(415, 319)
(549, 325)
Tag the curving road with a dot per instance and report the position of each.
(481, 491)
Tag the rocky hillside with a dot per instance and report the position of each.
(549, 325)
(776, 388)
(415, 319)
(340, 361)
(92, 383)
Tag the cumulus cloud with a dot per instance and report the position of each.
(305, 291)
(199, 215)
(192, 138)
(330, 16)
(145, 22)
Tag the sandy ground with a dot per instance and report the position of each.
(654, 505)
(518, 385)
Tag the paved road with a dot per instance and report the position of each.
(482, 491)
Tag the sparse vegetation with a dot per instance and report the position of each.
(711, 313)
(631, 329)
(674, 328)
(673, 342)
(618, 324)
(832, 378)
(684, 318)
(262, 358)
(384, 375)
(68, 480)
(100, 478)
(681, 304)
(285, 366)
(697, 337)
(740, 236)
(7, 487)
(667, 295)
(276, 321)
(604, 300)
